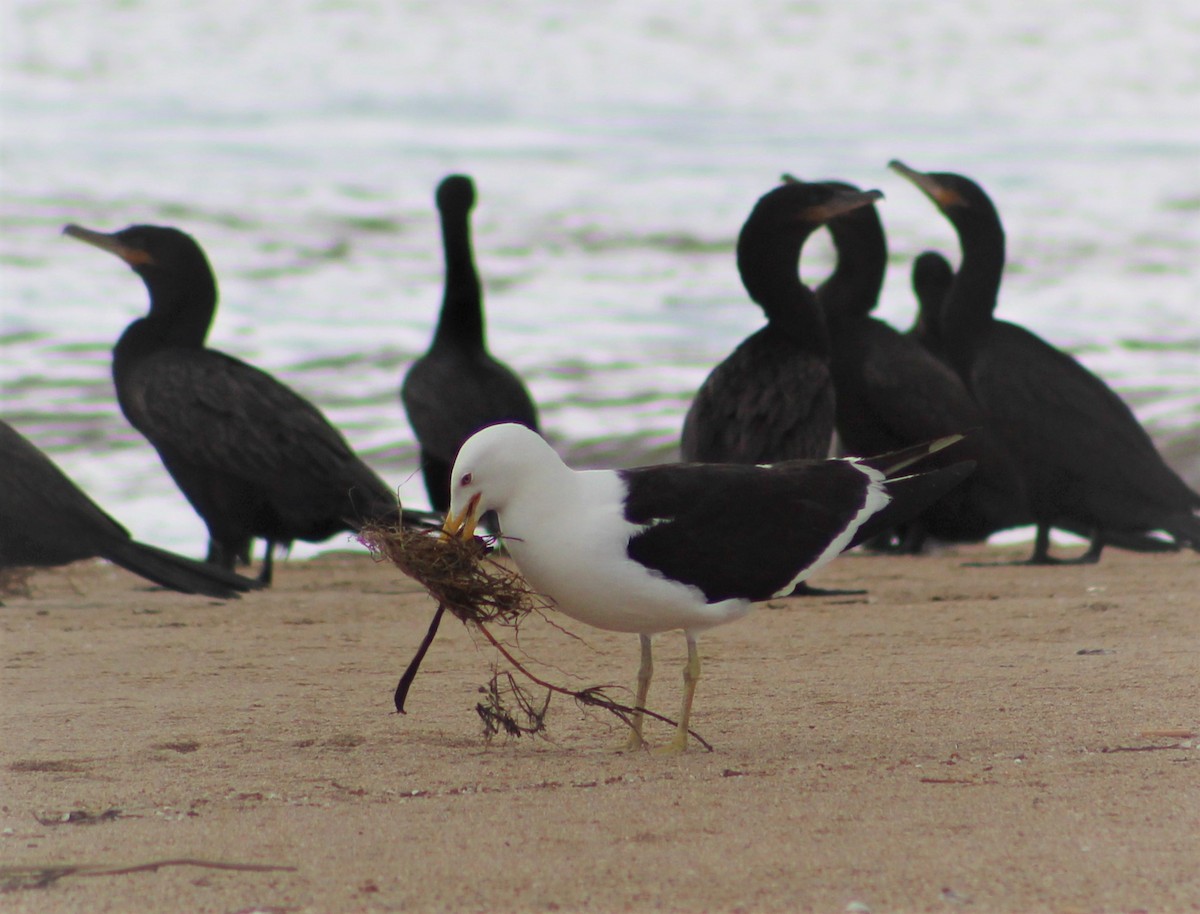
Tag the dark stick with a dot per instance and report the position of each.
(415, 663)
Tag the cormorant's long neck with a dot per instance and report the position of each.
(181, 312)
(461, 322)
(769, 267)
(969, 305)
(852, 291)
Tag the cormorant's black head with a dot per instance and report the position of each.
(768, 249)
(959, 198)
(153, 251)
(796, 207)
(784, 217)
(861, 213)
(171, 264)
(967, 307)
(852, 290)
(456, 193)
(858, 225)
(931, 277)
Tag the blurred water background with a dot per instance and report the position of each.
(617, 147)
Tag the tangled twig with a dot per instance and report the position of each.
(14, 878)
(495, 714)
(595, 696)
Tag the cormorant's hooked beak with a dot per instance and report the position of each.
(943, 196)
(463, 524)
(843, 202)
(135, 257)
(847, 199)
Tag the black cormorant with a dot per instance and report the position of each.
(892, 393)
(932, 277)
(47, 520)
(1087, 462)
(253, 457)
(457, 387)
(772, 399)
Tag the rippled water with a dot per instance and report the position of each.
(617, 148)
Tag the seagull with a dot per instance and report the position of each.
(684, 546)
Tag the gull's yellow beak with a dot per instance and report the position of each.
(463, 525)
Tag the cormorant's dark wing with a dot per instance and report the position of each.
(899, 393)
(226, 420)
(449, 396)
(766, 402)
(1054, 412)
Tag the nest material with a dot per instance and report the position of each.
(497, 715)
(453, 572)
(478, 592)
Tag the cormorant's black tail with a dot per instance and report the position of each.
(1131, 541)
(176, 572)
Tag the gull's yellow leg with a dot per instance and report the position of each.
(691, 676)
(645, 672)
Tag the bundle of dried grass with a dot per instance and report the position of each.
(454, 573)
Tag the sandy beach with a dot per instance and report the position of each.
(957, 739)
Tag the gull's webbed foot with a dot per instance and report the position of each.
(677, 746)
(635, 743)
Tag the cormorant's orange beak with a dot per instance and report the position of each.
(463, 524)
(135, 257)
(943, 196)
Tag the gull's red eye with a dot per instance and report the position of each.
(466, 480)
